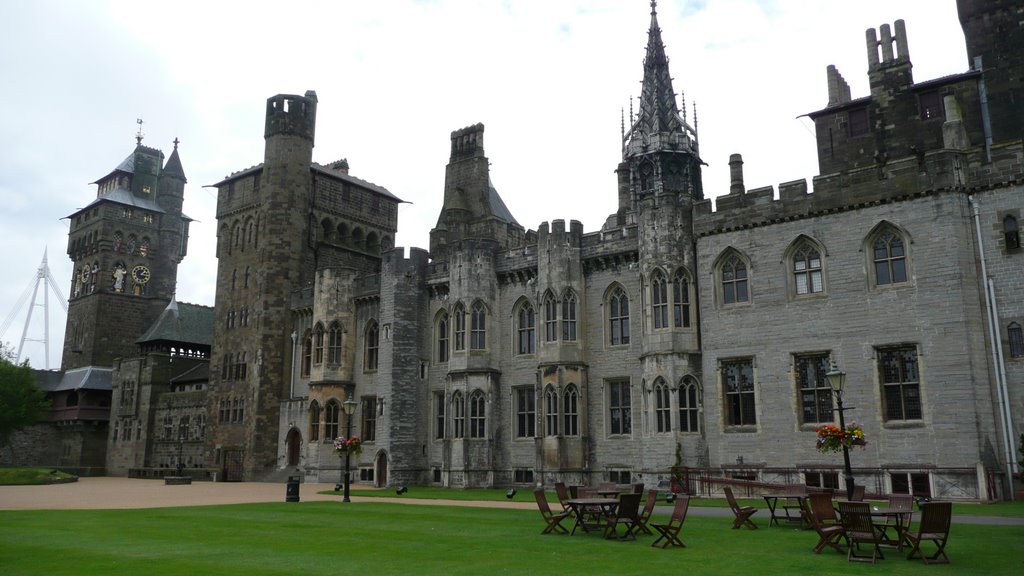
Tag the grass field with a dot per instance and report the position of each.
(311, 538)
(25, 476)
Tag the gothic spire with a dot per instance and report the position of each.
(658, 125)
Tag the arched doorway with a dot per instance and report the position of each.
(382, 469)
(294, 441)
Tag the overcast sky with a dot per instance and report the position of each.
(548, 78)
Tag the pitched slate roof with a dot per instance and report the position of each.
(198, 373)
(89, 377)
(186, 323)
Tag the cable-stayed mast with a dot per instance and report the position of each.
(42, 277)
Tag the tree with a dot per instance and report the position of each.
(21, 400)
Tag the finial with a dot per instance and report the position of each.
(176, 141)
(654, 7)
(138, 135)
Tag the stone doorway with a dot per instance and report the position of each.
(294, 442)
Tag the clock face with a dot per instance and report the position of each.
(140, 274)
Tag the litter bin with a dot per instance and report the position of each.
(292, 489)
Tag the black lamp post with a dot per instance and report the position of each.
(350, 408)
(836, 378)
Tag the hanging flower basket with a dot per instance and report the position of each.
(351, 445)
(833, 438)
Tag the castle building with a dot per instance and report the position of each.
(679, 335)
(676, 334)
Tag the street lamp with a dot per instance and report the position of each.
(836, 378)
(350, 408)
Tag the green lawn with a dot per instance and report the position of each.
(381, 538)
(14, 476)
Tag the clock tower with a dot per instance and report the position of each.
(126, 246)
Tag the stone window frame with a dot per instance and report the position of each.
(814, 401)
(570, 410)
(318, 344)
(739, 401)
(620, 407)
(459, 327)
(899, 375)
(458, 415)
(525, 409)
(570, 325)
(371, 346)
(1011, 233)
(314, 421)
(733, 279)
(368, 424)
(306, 355)
(879, 250)
(525, 328)
(550, 309)
(689, 401)
(551, 410)
(616, 320)
(1015, 340)
(439, 415)
(805, 258)
(662, 406)
(334, 344)
(658, 286)
(478, 326)
(477, 415)
(332, 420)
(681, 307)
(441, 342)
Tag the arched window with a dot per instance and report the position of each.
(442, 337)
(681, 300)
(526, 329)
(307, 354)
(662, 407)
(1016, 340)
(314, 421)
(245, 279)
(334, 344)
(890, 258)
(1011, 232)
(318, 344)
(550, 318)
(459, 315)
(331, 413)
(807, 270)
(569, 316)
(458, 415)
(477, 415)
(618, 317)
(550, 411)
(372, 346)
(570, 411)
(689, 407)
(733, 274)
(478, 327)
(659, 299)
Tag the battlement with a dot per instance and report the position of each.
(468, 141)
(291, 114)
(880, 50)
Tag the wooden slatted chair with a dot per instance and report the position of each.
(743, 513)
(902, 504)
(552, 520)
(860, 529)
(563, 494)
(648, 510)
(669, 533)
(822, 516)
(627, 513)
(934, 527)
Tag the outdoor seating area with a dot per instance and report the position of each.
(858, 529)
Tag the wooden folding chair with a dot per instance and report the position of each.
(858, 494)
(743, 513)
(822, 516)
(627, 513)
(858, 529)
(669, 533)
(648, 509)
(563, 494)
(552, 520)
(934, 526)
(903, 506)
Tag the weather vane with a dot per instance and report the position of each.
(138, 135)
